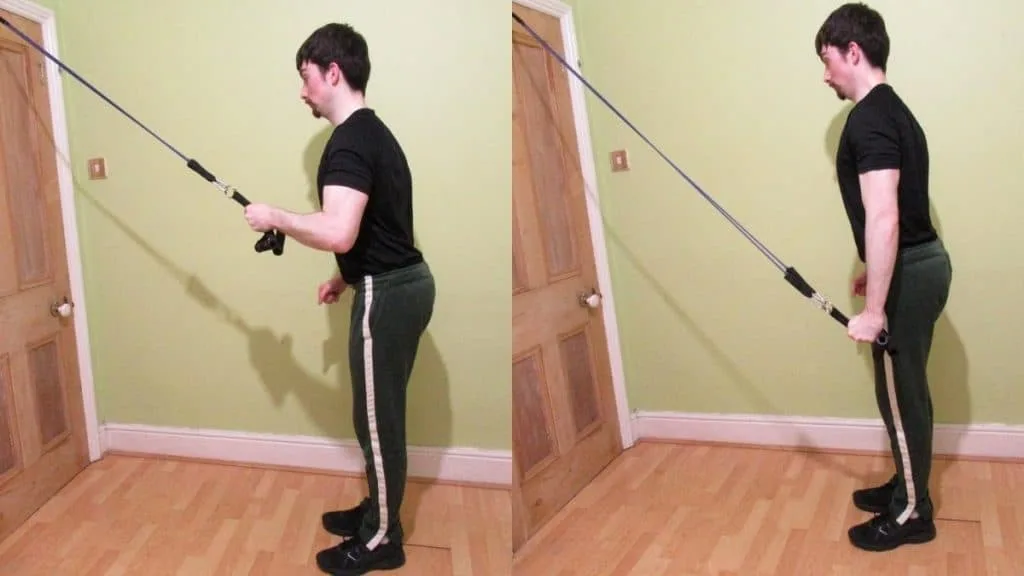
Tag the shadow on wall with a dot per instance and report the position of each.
(947, 367)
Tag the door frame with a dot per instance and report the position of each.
(46, 18)
(564, 13)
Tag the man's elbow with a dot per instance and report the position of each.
(342, 241)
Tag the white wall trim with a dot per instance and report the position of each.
(839, 434)
(564, 14)
(462, 465)
(47, 19)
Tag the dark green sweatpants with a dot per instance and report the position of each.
(917, 296)
(389, 315)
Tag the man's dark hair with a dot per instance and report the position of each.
(855, 22)
(341, 44)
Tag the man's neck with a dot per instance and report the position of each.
(868, 83)
(345, 107)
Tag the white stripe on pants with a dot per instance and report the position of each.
(901, 439)
(371, 418)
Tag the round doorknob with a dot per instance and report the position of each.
(592, 300)
(61, 309)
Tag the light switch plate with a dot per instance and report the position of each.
(620, 161)
(97, 169)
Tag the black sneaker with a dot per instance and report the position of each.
(875, 500)
(345, 523)
(883, 533)
(351, 558)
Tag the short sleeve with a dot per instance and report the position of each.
(348, 165)
(874, 141)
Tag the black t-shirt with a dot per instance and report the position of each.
(363, 154)
(881, 133)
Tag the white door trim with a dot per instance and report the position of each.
(563, 12)
(47, 19)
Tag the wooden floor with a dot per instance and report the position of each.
(659, 509)
(669, 509)
(135, 516)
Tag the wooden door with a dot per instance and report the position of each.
(565, 427)
(43, 442)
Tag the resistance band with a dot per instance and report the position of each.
(271, 240)
(790, 273)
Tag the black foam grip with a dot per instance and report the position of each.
(840, 317)
(198, 169)
(798, 282)
(237, 197)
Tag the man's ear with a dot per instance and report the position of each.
(334, 74)
(853, 53)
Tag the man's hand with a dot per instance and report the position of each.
(866, 326)
(860, 285)
(261, 217)
(331, 290)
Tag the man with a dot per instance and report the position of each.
(364, 188)
(882, 168)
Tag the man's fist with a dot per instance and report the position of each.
(331, 290)
(260, 217)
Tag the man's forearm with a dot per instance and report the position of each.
(881, 239)
(316, 230)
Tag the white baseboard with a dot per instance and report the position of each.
(971, 441)
(461, 465)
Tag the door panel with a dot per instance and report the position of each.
(42, 434)
(26, 206)
(565, 427)
(9, 444)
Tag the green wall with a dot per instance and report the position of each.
(733, 92)
(189, 326)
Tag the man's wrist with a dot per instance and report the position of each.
(874, 311)
(278, 219)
